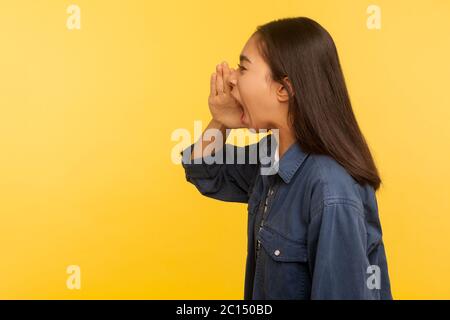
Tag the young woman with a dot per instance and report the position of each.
(313, 226)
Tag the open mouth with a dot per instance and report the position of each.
(243, 116)
(243, 113)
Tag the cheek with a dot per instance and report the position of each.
(256, 96)
(252, 91)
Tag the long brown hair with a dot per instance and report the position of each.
(319, 106)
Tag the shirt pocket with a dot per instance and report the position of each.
(286, 270)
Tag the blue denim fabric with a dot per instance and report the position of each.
(321, 238)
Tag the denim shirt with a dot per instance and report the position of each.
(321, 237)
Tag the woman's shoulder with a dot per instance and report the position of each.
(332, 182)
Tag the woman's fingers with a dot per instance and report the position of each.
(219, 79)
(213, 90)
(226, 75)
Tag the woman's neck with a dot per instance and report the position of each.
(285, 139)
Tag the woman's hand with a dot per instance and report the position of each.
(223, 107)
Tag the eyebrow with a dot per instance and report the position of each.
(244, 58)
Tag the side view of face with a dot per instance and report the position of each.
(264, 101)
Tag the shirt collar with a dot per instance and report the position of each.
(290, 162)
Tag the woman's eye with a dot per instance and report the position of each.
(241, 68)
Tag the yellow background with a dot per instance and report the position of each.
(86, 118)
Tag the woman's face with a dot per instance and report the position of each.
(263, 100)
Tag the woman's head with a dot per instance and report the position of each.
(264, 101)
(290, 77)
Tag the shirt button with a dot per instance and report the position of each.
(277, 252)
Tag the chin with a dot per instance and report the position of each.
(253, 128)
(257, 127)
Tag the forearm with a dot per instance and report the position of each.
(219, 134)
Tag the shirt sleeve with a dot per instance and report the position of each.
(227, 180)
(337, 248)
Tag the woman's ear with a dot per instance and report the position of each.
(284, 89)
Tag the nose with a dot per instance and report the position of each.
(232, 78)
